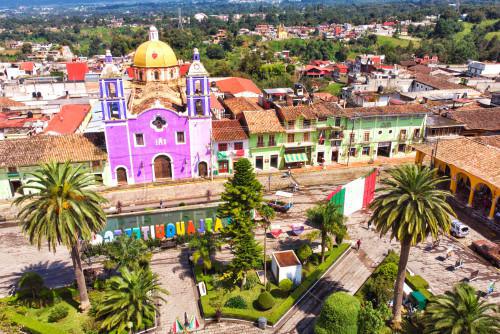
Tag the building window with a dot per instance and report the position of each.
(222, 147)
(291, 138)
(390, 131)
(11, 169)
(352, 152)
(157, 75)
(352, 137)
(366, 150)
(291, 124)
(111, 89)
(223, 166)
(401, 148)
(306, 124)
(96, 163)
(272, 141)
(380, 132)
(260, 141)
(238, 145)
(306, 137)
(159, 122)
(402, 134)
(180, 138)
(139, 139)
(416, 133)
(337, 121)
(366, 136)
(199, 108)
(115, 110)
(322, 119)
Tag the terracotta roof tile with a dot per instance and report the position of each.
(228, 130)
(420, 69)
(478, 119)
(68, 120)
(291, 113)
(387, 110)
(474, 155)
(262, 121)
(5, 102)
(437, 83)
(235, 85)
(237, 105)
(43, 149)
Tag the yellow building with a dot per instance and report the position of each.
(473, 165)
(282, 33)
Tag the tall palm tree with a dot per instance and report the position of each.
(127, 251)
(329, 219)
(462, 312)
(128, 302)
(267, 213)
(205, 247)
(58, 208)
(410, 207)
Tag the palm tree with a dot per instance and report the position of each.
(205, 246)
(59, 208)
(128, 302)
(267, 213)
(462, 312)
(329, 219)
(411, 207)
(127, 251)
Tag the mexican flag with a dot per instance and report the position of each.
(355, 195)
(177, 327)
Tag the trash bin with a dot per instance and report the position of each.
(262, 322)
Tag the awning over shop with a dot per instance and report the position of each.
(221, 155)
(295, 157)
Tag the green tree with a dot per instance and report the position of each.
(372, 320)
(205, 247)
(461, 311)
(128, 252)
(339, 315)
(215, 51)
(26, 48)
(267, 213)
(411, 207)
(58, 208)
(30, 286)
(329, 219)
(128, 303)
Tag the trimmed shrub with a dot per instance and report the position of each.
(236, 302)
(57, 313)
(339, 315)
(286, 285)
(265, 300)
(417, 282)
(387, 271)
(304, 253)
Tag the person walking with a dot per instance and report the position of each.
(358, 243)
(161, 204)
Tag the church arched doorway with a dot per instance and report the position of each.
(162, 168)
(121, 175)
(203, 169)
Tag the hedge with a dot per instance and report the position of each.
(278, 311)
(339, 314)
(418, 283)
(33, 326)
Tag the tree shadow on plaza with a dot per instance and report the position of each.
(54, 273)
(184, 267)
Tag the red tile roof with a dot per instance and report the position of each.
(27, 66)
(228, 130)
(68, 120)
(184, 68)
(486, 119)
(5, 102)
(76, 71)
(235, 85)
(214, 103)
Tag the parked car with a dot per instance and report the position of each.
(489, 250)
(459, 229)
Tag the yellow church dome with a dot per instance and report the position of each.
(154, 53)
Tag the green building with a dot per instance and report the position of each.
(18, 157)
(265, 139)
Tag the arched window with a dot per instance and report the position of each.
(157, 75)
(114, 109)
(111, 88)
(199, 108)
(141, 77)
(197, 88)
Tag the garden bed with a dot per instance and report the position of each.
(283, 301)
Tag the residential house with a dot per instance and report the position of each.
(73, 118)
(230, 143)
(19, 157)
(237, 87)
(440, 127)
(235, 106)
(478, 122)
(266, 137)
(476, 69)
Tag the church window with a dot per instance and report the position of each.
(141, 77)
(199, 108)
(139, 139)
(115, 110)
(197, 88)
(180, 139)
(111, 88)
(159, 122)
(157, 75)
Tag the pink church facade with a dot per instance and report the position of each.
(163, 131)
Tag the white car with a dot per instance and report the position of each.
(459, 229)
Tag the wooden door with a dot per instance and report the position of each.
(121, 175)
(162, 168)
(203, 169)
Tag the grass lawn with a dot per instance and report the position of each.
(468, 29)
(283, 302)
(334, 88)
(35, 319)
(388, 40)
